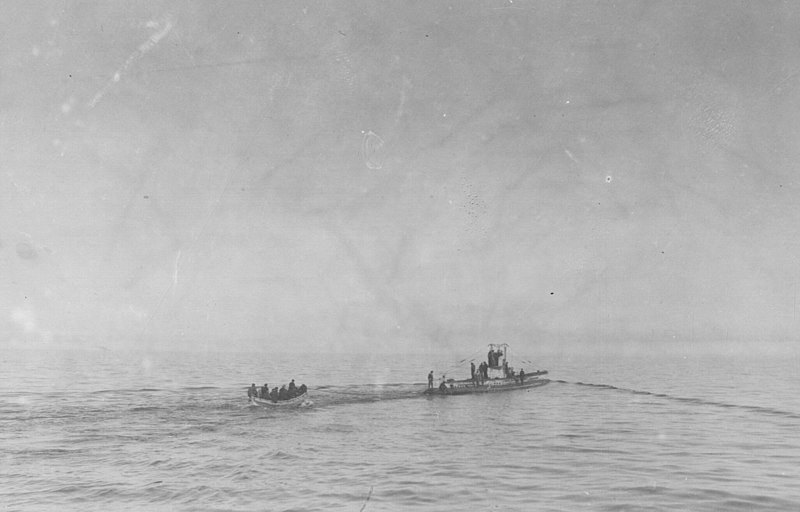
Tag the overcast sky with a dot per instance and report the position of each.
(398, 175)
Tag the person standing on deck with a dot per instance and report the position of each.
(490, 356)
(252, 392)
(472, 370)
(430, 380)
(521, 375)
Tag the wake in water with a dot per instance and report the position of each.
(337, 395)
(334, 395)
(697, 401)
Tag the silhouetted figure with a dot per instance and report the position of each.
(430, 380)
(273, 395)
(442, 387)
(302, 390)
(264, 391)
(490, 357)
(283, 394)
(521, 375)
(252, 392)
(292, 389)
(472, 370)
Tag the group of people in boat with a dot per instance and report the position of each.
(494, 357)
(481, 374)
(276, 395)
(442, 385)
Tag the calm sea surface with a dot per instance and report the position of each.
(165, 431)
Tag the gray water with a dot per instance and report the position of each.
(166, 431)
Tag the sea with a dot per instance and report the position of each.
(131, 431)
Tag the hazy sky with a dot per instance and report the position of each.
(398, 175)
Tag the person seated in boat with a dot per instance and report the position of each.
(442, 387)
(302, 390)
(292, 389)
(273, 395)
(252, 392)
(264, 391)
(283, 394)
